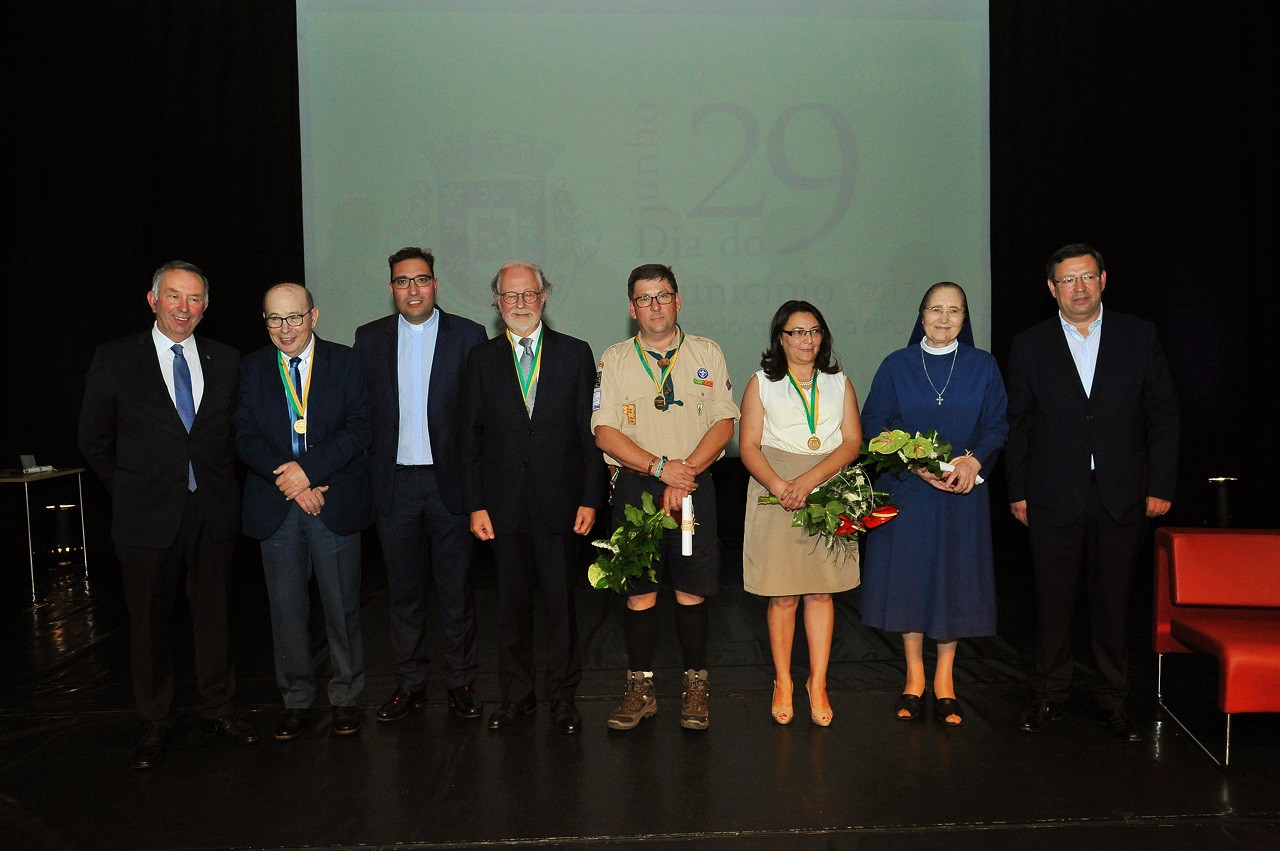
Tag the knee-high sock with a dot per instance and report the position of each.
(692, 625)
(641, 627)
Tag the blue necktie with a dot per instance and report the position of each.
(299, 440)
(185, 401)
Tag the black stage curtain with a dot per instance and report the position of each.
(150, 132)
(1138, 128)
(155, 131)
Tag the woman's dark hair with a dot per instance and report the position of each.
(774, 361)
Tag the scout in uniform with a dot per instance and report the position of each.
(663, 413)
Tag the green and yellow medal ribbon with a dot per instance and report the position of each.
(659, 383)
(810, 408)
(526, 381)
(299, 406)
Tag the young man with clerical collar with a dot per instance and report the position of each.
(664, 412)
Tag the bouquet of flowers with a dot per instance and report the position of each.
(897, 451)
(841, 508)
(629, 552)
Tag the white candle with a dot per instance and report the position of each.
(686, 526)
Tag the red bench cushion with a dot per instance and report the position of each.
(1247, 645)
(1225, 569)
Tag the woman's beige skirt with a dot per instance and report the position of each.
(779, 559)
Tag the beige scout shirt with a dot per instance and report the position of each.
(700, 380)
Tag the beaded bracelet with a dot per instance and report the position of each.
(657, 471)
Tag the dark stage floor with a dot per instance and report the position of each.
(867, 782)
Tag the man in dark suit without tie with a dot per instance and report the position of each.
(302, 428)
(155, 425)
(414, 361)
(1092, 454)
(532, 476)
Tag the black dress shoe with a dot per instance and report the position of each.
(291, 724)
(150, 748)
(566, 716)
(346, 720)
(510, 712)
(234, 730)
(399, 704)
(462, 701)
(1119, 725)
(1038, 715)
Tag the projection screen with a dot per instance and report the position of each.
(830, 151)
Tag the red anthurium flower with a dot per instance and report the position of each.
(880, 516)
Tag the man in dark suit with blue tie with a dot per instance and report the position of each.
(414, 361)
(1092, 454)
(302, 428)
(532, 477)
(155, 425)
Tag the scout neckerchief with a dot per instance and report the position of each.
(810, 408)
(666, 363)
(526, 381)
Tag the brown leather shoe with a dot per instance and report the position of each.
(638, 702)
(694, 713)
(291, 724)
(346, 720)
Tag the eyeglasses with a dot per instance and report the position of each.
(417, 280)
(530, 297)
(937, 312)
(797, 333)
(1088, 279)
(646, 300)
(294, 320)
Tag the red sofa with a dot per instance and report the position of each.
(1217, 591)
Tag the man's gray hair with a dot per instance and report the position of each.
(179, 266)
(543, 281)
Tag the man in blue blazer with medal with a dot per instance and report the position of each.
(302, 428)
(532, 479)
(414, 361)
(1092, 455)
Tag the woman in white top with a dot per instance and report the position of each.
(800, 427)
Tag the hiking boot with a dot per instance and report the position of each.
(693, 702)
(638, 702)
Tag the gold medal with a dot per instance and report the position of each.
(659, 402)
(300, 426)
(814, 443)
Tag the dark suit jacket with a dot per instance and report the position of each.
(511, 459)
(338, 433)
(376, 345)
(1129, 423)
(133, 438)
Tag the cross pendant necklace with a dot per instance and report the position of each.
(930, 380)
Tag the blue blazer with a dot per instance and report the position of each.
(338, 433)
(376, 343)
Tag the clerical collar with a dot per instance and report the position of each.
(945, 350)
(406, 325)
